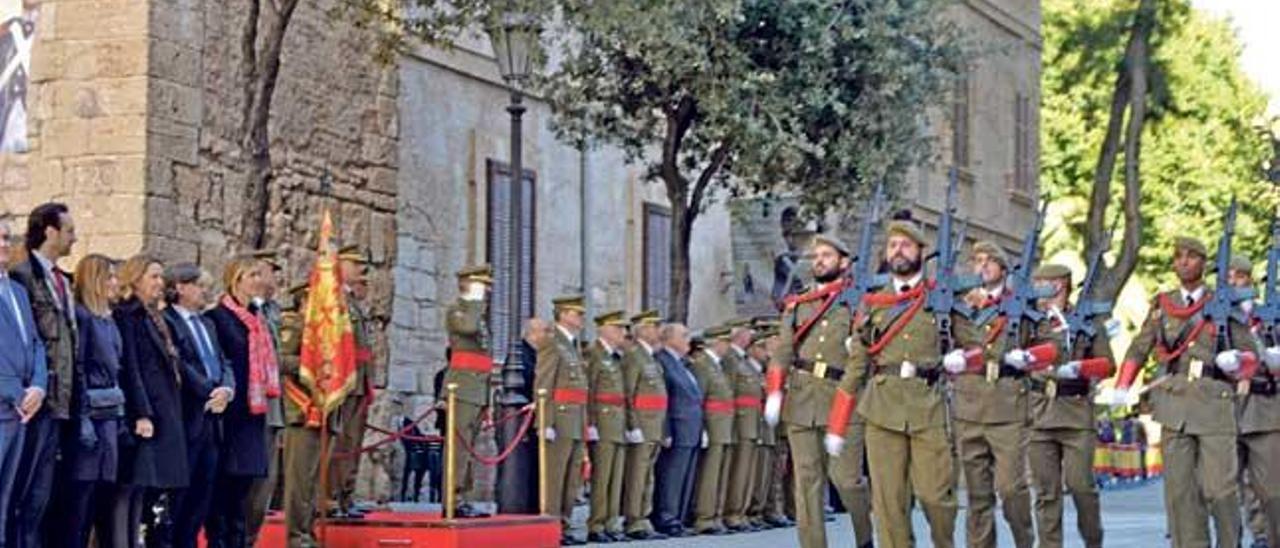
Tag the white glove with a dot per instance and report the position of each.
(549, 434)
(834, 444)
(475, 292)
(1271, 355)
(773, 408)
(1018, 358)
(848, 344)
(954, 362)
(705, 441)
(1229, 361)
(634, 436)
(593, 434)
(1118, 397)
(1069, 370)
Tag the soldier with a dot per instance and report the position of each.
(1259, 416)
(469, 368)
(351, 416)
(990, 411)
(717, 433)
(908, 451)
(1062, 431)
(607, 416)
(748, 401)
(766, 509)
(1195, 403)
(562, 373)
(646, 393)
(812, 359)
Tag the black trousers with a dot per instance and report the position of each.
(191, 506)
(33, 486)
(79, 509)
(673, 487)
(226, 526)
(123, 517)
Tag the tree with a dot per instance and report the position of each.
(1152, 91)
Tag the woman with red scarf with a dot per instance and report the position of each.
(246, 343)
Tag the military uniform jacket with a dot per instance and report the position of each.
(642, 379)
(717, 393)
(975, 398)
(1183, 342)
(1259, 410)
(748, 395)
(808, 397)
(1061, 411)
(888, 334)
(607, 409)
(563, 374)
(360, 328)
(468, 333)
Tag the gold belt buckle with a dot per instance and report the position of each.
(820, 369)
(1196, 370)
(993, 371)
(1051, 388)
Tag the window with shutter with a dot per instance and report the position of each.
(1024, 143)
(960, 122)
(657, 258)
(498, 251)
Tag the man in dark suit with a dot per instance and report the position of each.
(678, 461)
(23, 374)
(208, 384)
(50, 235)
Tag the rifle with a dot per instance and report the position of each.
(1269, 313)
(1079, 320)
(1222, 308)
(860, 278)
(945, 297)
(1021, 304)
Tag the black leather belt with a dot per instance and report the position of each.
(1069, 387)
(1263, 387)
(820, 369)
(1011, 372)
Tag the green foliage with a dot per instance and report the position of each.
(1201, 143)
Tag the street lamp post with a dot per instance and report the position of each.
(514, 37)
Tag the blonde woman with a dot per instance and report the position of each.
(246, 342)
(154, 461)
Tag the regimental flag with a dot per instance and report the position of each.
(327, 365)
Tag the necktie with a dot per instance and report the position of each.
(61, 285)
(1191, 299)
(905, 288)
(206, 349)
(11, 303)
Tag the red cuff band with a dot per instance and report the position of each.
(1128, 374)
(773, 380)
(973, 360)
(1096, 368)
(841, 410)
(1044, 353)
(1248, 365)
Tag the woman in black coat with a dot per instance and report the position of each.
(90, 448)
(245, 455)
(153, 461)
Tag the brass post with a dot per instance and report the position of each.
(542, 451)
(450, 450)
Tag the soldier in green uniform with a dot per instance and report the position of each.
(469, 368)
(562, 372)
(717, 436)
(897, 354)
(1062, 428)
(766, 509)
(646, 393)
(748, 402)
(1195, 406)
(989, 406)
(1259, 416)
(350, 417)
(607, 416)
(813, 360)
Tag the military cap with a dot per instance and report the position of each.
(482, 273)
(1241, 263)
(907, 229)
(834, 242)
(352, 253)
(270, 257)
(990, 249)
(765, 322)
(1191, 244)
(570, 302)
(716, 332)
(1052, 271)
(612, 317)
(648, 317)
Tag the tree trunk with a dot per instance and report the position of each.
(261, 69)
(681, 280)
(1129, 96)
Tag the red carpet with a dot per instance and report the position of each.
(420, 529)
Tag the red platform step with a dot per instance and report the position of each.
(421, 529)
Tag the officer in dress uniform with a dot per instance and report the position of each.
(1062, 431)
(748, 402)
(607, 414)
(897, 345)
(646, 393)
(562, 372)
(717, 435)
(469, 367)
(351, 415)
(812, 360)
(766, 509)
(1195, 406)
